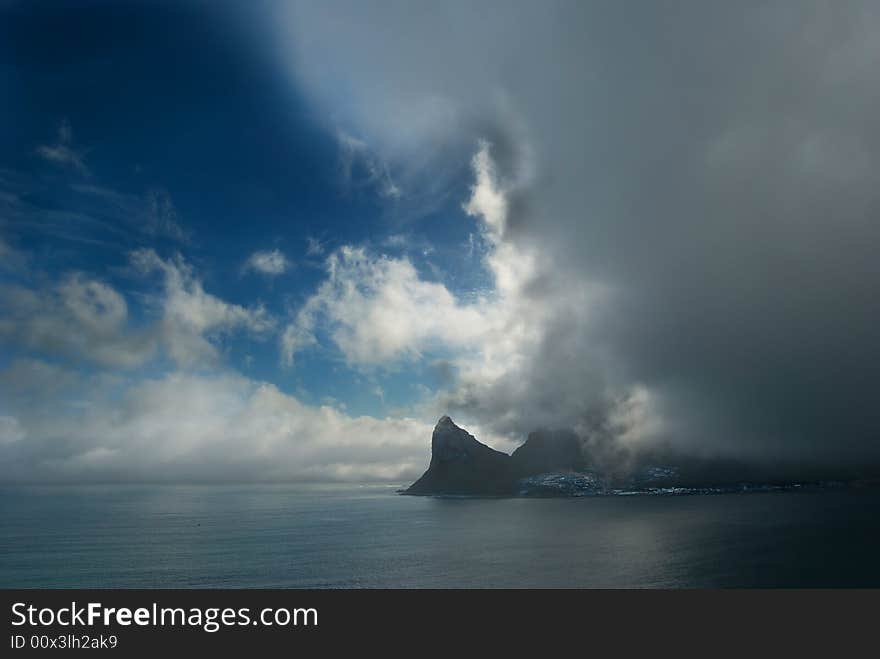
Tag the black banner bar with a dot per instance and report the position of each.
(131, 622)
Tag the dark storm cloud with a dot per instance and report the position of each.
(713, 165)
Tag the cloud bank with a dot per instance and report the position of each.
(185, 426)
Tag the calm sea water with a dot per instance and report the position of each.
(295, 536)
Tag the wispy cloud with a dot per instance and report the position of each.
(63, 152)
(267, 262)
(361, 168)
(314, 246)
(88, 212)
(153, 213)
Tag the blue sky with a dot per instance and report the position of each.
(178, 116)
(277, 240)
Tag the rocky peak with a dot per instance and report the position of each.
(462, 465)
(449, 442)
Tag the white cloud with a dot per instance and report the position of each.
(267, 262)
(487, 199)
(82, 318)
(192, 319)
(379, 311)
(79, 318)
(296, 337)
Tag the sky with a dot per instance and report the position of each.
(275, 241)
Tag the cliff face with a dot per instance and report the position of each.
(462, 465)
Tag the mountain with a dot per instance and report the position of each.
(464, 466)
(553, 463)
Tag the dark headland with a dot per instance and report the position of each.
(462, 465)
(555, 463)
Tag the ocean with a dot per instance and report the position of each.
(295, 536)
